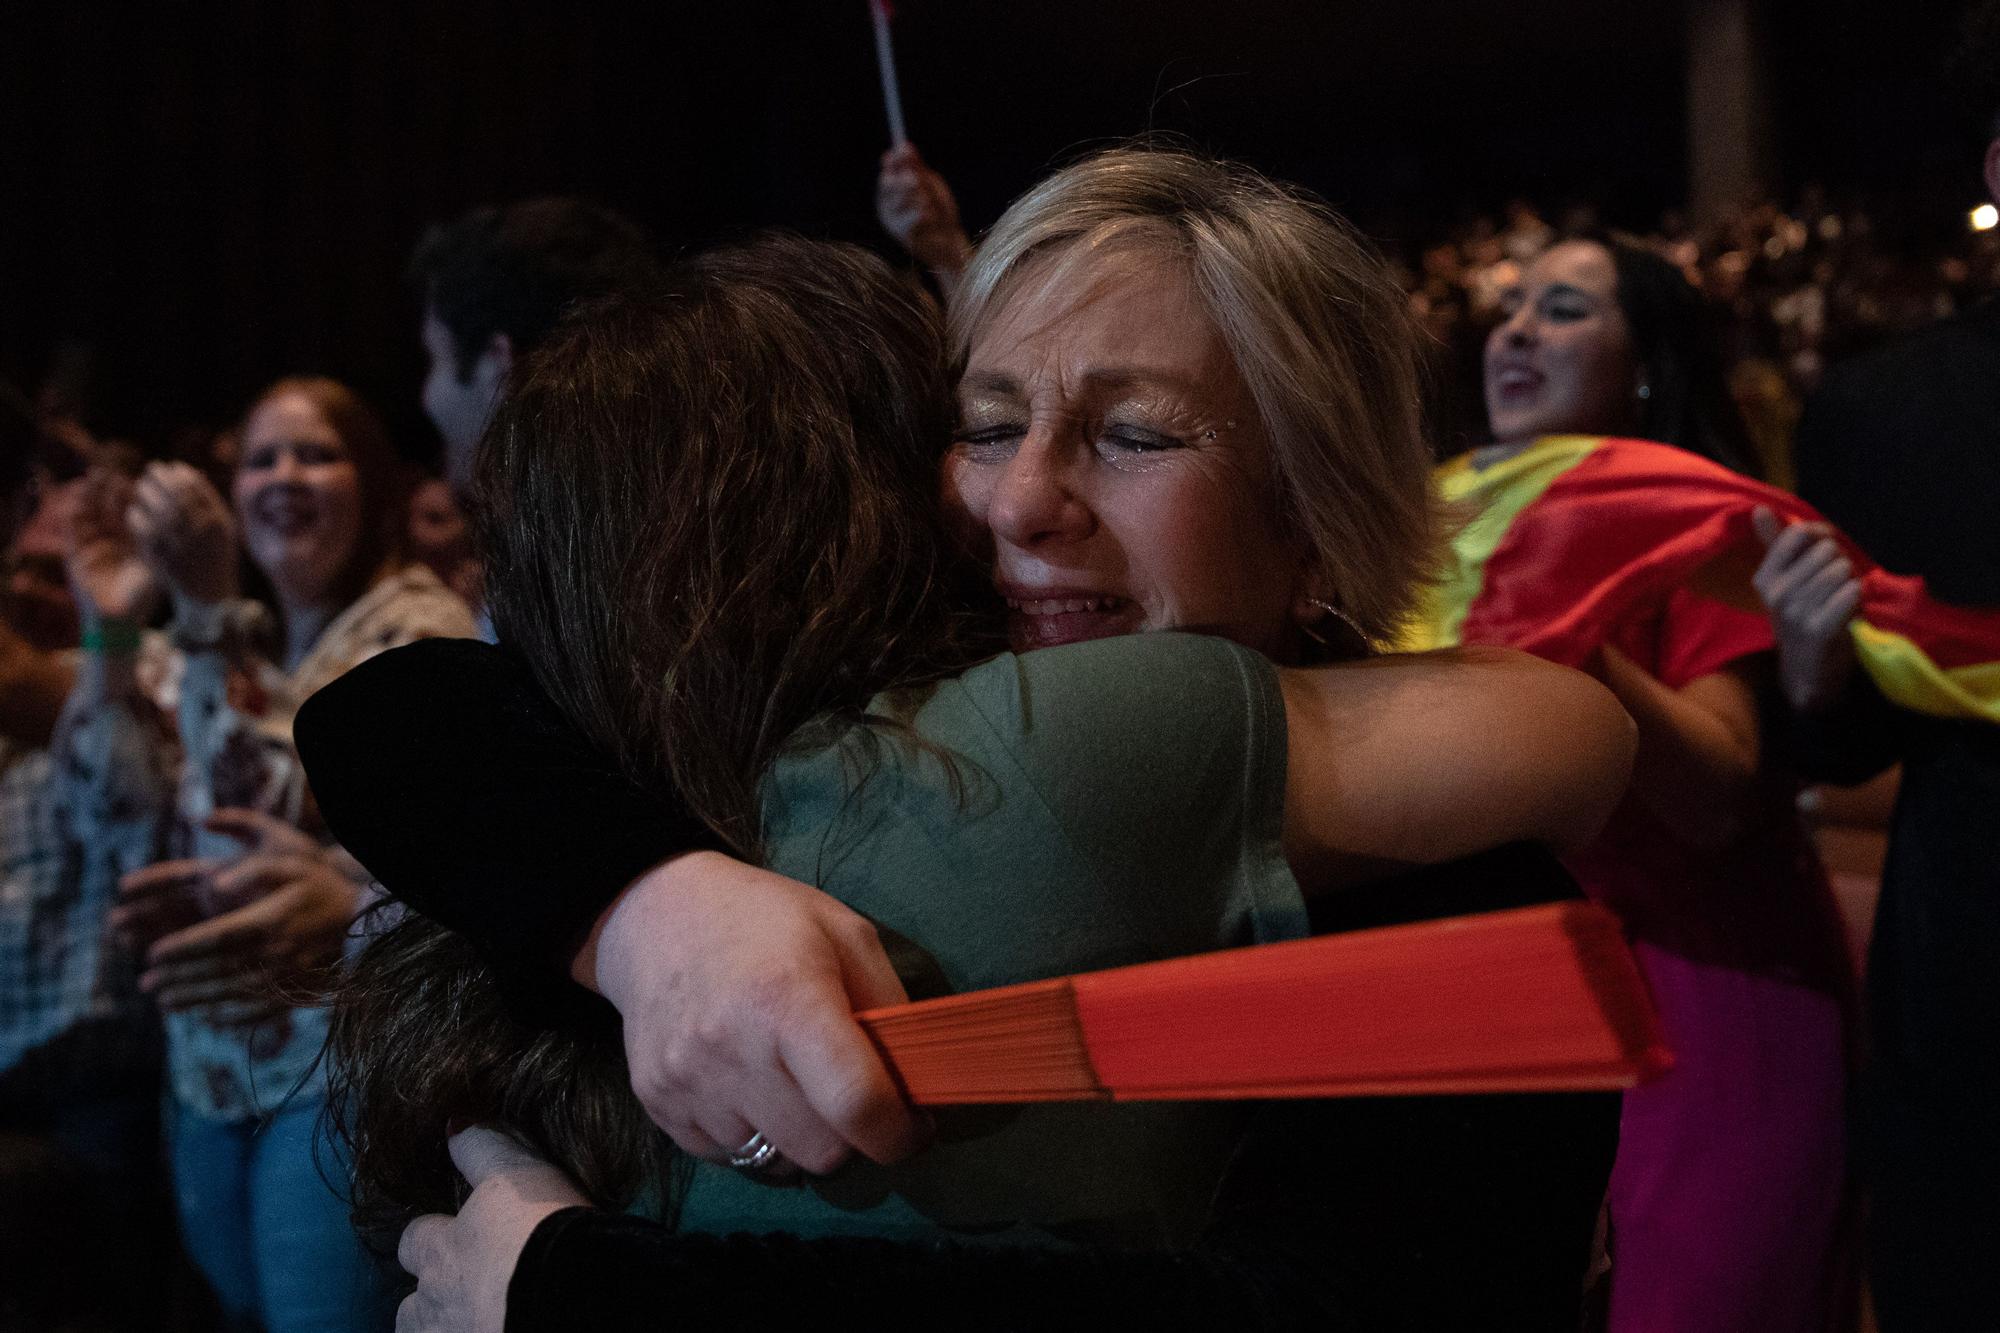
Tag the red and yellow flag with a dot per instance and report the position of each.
(1566, 538)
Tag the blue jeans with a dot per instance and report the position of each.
(267, 1229)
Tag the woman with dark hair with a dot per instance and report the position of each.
(1687, 402)
(747, 514)
(1726, 1198)
(259, 902)
(1601, 337)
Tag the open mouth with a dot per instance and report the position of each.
(285, 516)
(1514, 382)
(1045, 621)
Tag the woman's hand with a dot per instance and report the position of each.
(917, 208)
(463, 1264)
(738, 988)
(259, 832)
(1811, 592)
(106, 572)
(1700, 769)
(226, 936)
(164, 901)
(293, 917)
(171, 895)
(185, 532)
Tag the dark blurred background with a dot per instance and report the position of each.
(199, 197)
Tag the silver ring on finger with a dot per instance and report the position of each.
(759, 1154)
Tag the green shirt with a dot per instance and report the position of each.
(1103, 804)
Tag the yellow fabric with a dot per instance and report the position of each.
(1906, 675)
(1488, 498)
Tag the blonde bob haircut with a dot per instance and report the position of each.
(1319, 331)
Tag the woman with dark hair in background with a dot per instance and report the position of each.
(1726, 1198)
(1686, 402)
(261, 903)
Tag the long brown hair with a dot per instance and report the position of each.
(710, 514)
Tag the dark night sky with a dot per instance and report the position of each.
(211, 194)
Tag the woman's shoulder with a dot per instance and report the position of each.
(1158, 677)
(1139, 707)
(1170, 712)
(1118, 734)
(1060, 810)
(405, 605)
(415, 601)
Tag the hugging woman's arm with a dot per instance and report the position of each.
(1388, 1212)
(712, 523)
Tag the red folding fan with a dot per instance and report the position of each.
(1538, 999)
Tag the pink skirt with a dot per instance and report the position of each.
(1727, 1195)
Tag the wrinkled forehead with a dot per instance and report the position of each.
(1127, 297)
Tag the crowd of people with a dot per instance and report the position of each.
(1792, 289)
(442, 903)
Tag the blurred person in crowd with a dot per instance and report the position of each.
(1794, 286)
(1490, 271)
(38, 621)
(494, 282)
(1902, 449)
(1169, 510)
(1770, 412)
(79, 1044)
(1526, 235)
(42, 446)
(916, 206)
(1726, 1198)
(213, 453)
(255, 906)
(441, 538)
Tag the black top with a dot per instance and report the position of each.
(1380, 1214)
(1901, 449)
(459, 786)
(449, 774)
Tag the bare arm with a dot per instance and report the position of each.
(115, 764)
(33, 685)
(113, 591)
(1413, 760)
(736, 984)
(1700, 764)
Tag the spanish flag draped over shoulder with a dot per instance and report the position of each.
(1566, 538)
